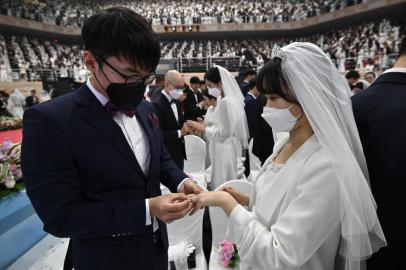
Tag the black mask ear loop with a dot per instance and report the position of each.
(101, 68)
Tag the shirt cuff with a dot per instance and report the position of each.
(181, 183)
(208, 132)
(179, 134)
(148, 220)
(237, 223)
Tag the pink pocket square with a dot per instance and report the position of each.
(154, 120)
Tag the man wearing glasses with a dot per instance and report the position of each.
(93, 159)
(171, 118)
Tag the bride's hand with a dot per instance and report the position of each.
(199, 127)
(241, 198)
(216, 198)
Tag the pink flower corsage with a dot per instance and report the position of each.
(228, 254)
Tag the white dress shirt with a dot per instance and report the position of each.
(137, 140)
(252, 95)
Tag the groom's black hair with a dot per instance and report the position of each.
(270, 80)
(121, 32)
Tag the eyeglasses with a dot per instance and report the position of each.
(133, 78)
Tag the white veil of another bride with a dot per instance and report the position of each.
(237, 117)
(325, 98)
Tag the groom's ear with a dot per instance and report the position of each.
(90, 61)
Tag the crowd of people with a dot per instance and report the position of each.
(175, 12)
(34, 59)
(95, 161)
(15, 103)
(366, 47)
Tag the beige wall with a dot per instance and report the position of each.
(24, 86)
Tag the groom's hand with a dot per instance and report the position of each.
(170, 207)
(190, 187)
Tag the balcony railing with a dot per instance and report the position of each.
(199, 64)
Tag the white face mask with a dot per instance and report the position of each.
(176, 93)
(215, 92)
(280, 120)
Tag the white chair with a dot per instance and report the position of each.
(196, 158)
(190, 230)
(255, 163)
(219, 220)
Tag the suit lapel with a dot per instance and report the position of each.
(180, 113)
(167, 104)
(147, 126)
(93, 112)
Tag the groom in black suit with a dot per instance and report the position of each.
(93, 159)
(194, 105)
(171, 117)
(380, 114)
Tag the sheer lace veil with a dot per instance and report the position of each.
(325, 98)
(237, 117)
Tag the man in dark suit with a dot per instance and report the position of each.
(263, 137)
(251, 107)
(3, 104)
(249, 75)
(380, 114)
(93, 159)
(31, 100)
(194, 105)
(171, 118)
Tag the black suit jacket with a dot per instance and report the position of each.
(252, 109)
(244, 88)
(380, 114)
(169, 127)
(85, 183)
(190, 105)
(154, 92)
(262, 135)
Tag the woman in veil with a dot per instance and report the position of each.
(16, 103)
(311, 206)
(229, 133)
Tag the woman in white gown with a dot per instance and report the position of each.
(229, 133)
(16, 103)
(311, 200)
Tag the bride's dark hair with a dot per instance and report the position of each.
(270, 80)
(213, 75)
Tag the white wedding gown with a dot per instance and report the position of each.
(295, 218)
(225, 150)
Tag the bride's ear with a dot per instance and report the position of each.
(221, 86)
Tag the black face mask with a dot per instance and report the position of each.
(127, 96)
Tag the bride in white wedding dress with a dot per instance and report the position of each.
(228, 134)
(311, 206)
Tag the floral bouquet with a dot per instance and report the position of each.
(228, 254)
(10, 169)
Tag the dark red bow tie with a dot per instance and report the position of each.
(114, 110)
